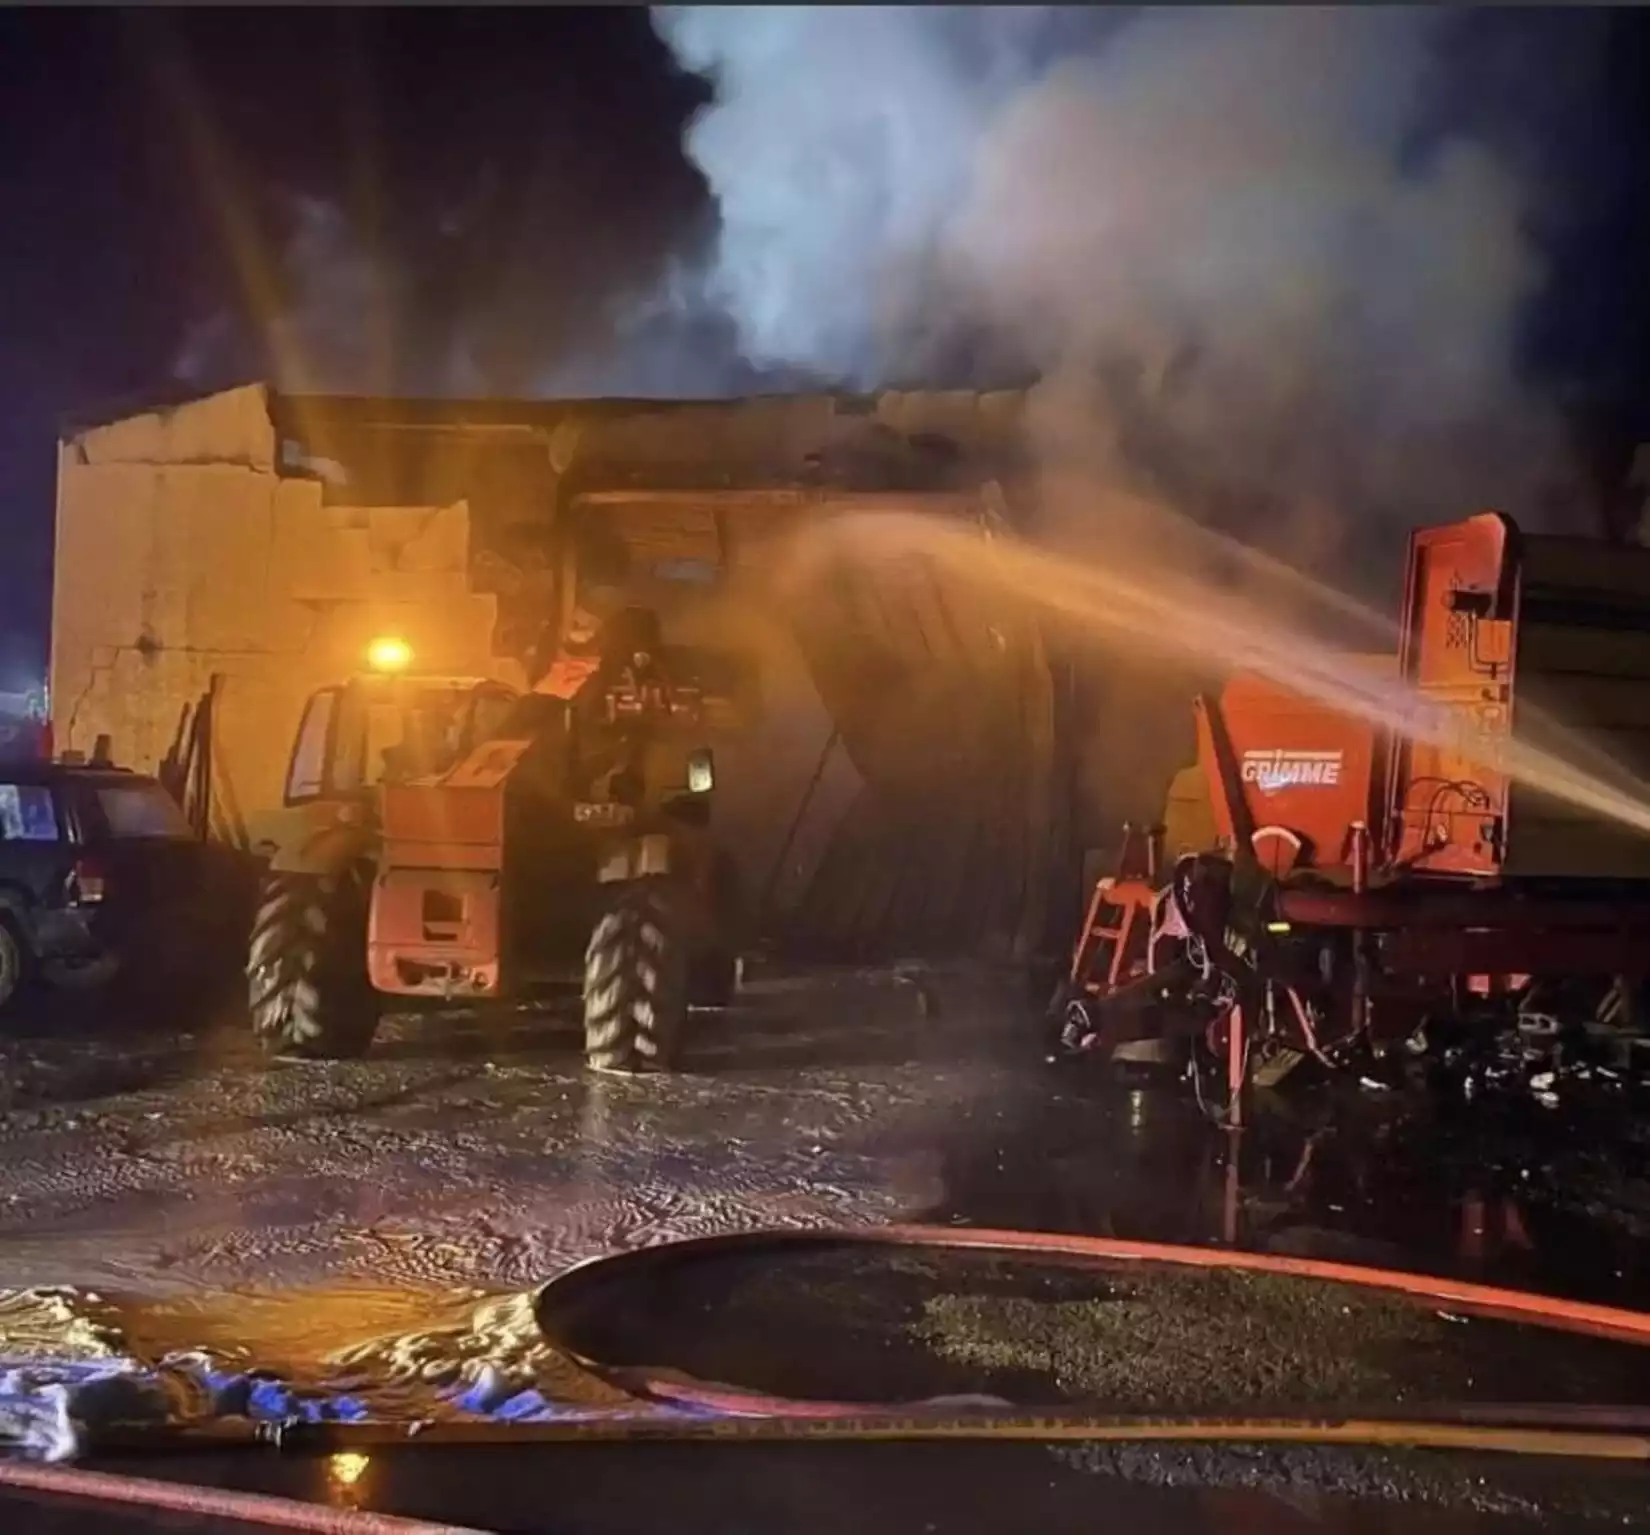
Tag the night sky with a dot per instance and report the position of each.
(521, 172)
(536, 151)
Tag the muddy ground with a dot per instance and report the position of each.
(183, 1180)
(465, 1150)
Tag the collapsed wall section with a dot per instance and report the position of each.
(182, 553)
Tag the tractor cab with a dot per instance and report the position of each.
(390, 726)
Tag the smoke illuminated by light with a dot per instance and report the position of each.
(1219, 235)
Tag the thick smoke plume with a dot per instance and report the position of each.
(1261, 282)
(1268, 266)
(1266, 282)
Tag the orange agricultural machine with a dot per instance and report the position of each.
(448, 838)
(1469, 837)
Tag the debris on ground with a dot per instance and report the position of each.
(72, 1364)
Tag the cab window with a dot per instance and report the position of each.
(28, 814)
(412, 738)
(491, 716)
(307, 776)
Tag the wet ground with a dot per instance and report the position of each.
(417, 1195)
(890, 1324)
(474, 1150)
(465, 1150)
(938, 1489)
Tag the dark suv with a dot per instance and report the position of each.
(101, 875)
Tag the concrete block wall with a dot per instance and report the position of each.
(181, 552)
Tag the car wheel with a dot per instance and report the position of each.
(80, 975)
(13, 964)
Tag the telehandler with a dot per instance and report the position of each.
(454, 839)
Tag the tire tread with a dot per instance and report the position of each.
(635, 987)
(306, 967)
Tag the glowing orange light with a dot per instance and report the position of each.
(387, 653)
(347, 1467)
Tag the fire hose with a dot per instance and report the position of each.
(210, 1502)
(670, 1406)
(1582, 1432)
(1465, 1296)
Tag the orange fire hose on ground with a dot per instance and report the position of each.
(738, 1414)
(210, 1502)
(1469, 1298)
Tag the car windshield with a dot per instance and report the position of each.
(141, 811)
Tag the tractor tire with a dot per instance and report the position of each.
(636, 981)
(307, 967)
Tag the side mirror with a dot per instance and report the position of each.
(701, 771)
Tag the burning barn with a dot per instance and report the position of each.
(906, 787)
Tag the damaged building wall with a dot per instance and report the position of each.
(938, 817)
(182, 553)
(266, 538)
